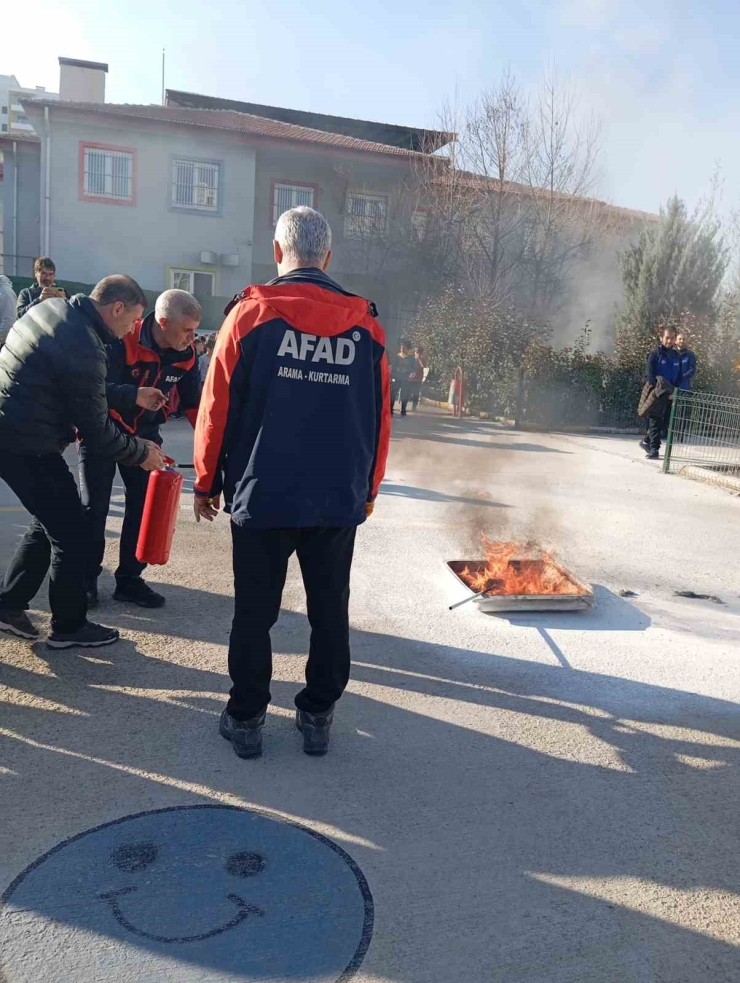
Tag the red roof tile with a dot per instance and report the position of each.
(222, 119)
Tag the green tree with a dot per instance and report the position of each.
(675, 267)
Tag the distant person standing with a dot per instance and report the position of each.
(405, 370)
(688, 361)
(45, 288)
(419, 376)
(662, 377)
(8, 302)
(205, 359)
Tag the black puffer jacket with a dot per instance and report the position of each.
(52, 380)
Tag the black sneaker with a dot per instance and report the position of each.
(245, 735)
(91, 589)
(652, 456)
(17, 623)
(89, 636)
(315, 730)
(138, 592)
(644, 444)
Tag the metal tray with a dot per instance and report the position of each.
(527, 602)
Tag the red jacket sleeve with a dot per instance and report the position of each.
(215, 400)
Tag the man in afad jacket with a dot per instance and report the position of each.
(143, 369)
(52, 383)
(662, 376)
(293, 431)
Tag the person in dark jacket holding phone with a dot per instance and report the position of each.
(143, 370)
(664, 363)
(45, 288)
(293, 430)
(52, 388)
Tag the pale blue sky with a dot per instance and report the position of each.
(664, 75)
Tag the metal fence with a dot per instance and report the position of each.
(704, 438)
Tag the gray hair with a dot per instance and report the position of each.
(304, 236)
(176, 305)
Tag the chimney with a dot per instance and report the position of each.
(81, 81)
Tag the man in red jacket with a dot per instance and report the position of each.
(293, 431)
(143, 370)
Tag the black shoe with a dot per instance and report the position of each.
(652, 456)
(315, 730)
(644, 444)
(138, 592)
(89, 636)
(17, 623)
(245, 735)
(91, 589)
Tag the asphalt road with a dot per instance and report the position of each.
(549, 798)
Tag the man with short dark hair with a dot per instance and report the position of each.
(143, 369)
(294, 429)
(45, 288)
(52, 383)
(662, 376)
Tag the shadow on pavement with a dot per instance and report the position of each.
(393, 488)
(497, 853)
(441, 430)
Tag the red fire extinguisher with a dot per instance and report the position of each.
(160, 515)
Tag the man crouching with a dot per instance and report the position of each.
(293, 429)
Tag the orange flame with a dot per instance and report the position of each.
(513, 568)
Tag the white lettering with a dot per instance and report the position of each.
(345, 351)
(287, 373)
(307, 345)
(289, 345)
(323, 350)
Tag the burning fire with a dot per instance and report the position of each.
(513, 568)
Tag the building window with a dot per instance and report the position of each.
(5, 127)
(365, 216)
(285, 196)
(195, 185)
(107, 173)
(201, 283)
(5, 110)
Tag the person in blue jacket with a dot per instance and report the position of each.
(688, 361)
(663, 362)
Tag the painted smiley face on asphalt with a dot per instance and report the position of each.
(190, 893)
(135, 858)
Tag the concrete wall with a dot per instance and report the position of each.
(28, 174)
(334, 175)
(90, 239)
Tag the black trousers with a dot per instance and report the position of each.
(96, 485)
(657, 425)
(56, 538)
(260, 567)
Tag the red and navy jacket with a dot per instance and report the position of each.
(294, 422)
(137, 361)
